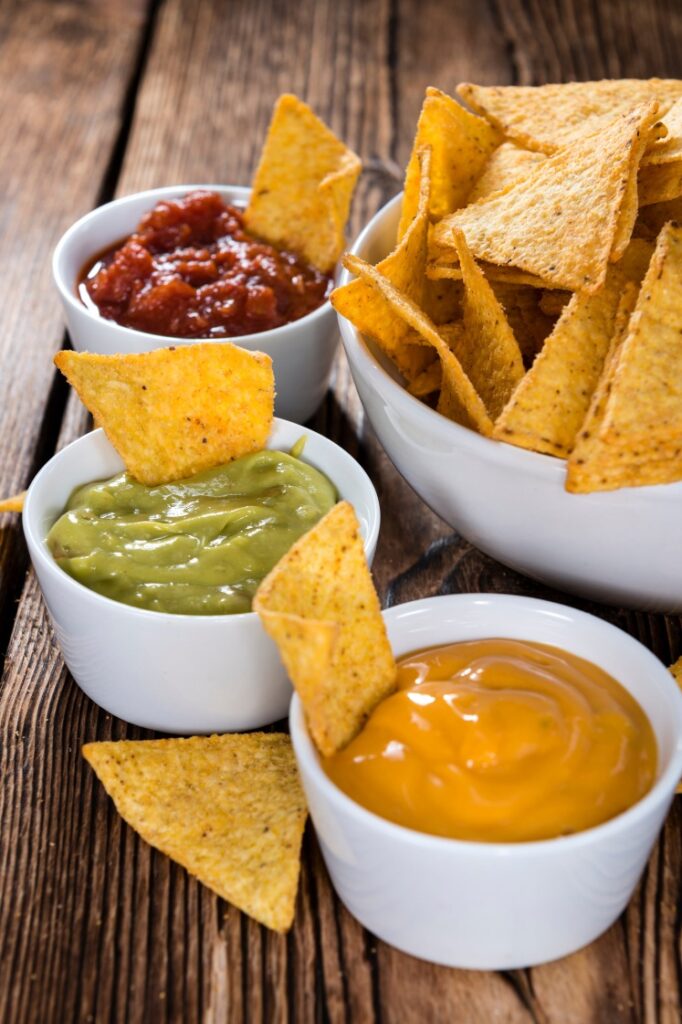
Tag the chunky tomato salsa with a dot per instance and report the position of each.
(191, 270)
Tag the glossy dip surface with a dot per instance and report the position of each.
(500, 741)
(195, 546)
(191, 270)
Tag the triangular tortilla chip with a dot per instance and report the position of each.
(489, 352)
(461, 143)
(174, 411)
(676, 670)
(660, 182)
(429, 381)
(669, 148)
(631, 458)
(459, 400)
(549, 116)
(404, 268)
(531, 324)
(560, 222)
(320, 607)
(13, 504)
(548, 407)
(652, 218)
(303, 186)
(508, 164)
(444, 271)
(644, 410)
(230, 809)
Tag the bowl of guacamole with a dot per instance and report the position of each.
(149, 588)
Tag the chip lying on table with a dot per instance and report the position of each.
(174, 411)
(229, 808)
(540, 235)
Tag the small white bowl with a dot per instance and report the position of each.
(175, 673)
(497, 906)
(302, 351)
(623, 547)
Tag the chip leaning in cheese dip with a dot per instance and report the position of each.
(499, 741)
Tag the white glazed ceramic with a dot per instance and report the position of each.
(623, 547)
(302, 352)
(176, 673)
(497, 906)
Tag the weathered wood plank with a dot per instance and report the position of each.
(66, 67)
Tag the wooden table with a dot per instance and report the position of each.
(102, 99)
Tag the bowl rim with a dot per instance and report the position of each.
(38, 549)
(69, 297)
(661, 790)
(500, 453)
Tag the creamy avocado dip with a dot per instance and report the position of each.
(198, 546)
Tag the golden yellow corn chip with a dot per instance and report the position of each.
(459, 399)
(461, 143)
(530, 324)
(320, 607)
(13, 504)
(303, 185)
(652, 218)
(629, 209)
(550, 404)
(508, 164)
(640, 389)
(549, 116)
(676, 670)
(428, 381)
(489, 352)
(552, 302)
(669, 148)
(443, 271)
(560, 222)
(404, 268)
(660, 182)
(230, 809)
(174, 411)
(644, 410)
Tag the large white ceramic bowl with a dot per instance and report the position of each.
(497, 905)
(302, 352)
(176, 673)
(623, 547)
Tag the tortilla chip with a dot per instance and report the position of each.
(644, 410)
(428, 381)
(676, 670)
(461, 143)
(507, 165)
(230, 809)
(660, 183)
(547, 117)
(561, 221)
(552, 302)
(549, 406)
(444, 271)
(174, 411)
(489, 353)
(13, 504)
(459, 400)
(669, 148)
(636, 458)
(630, 206)
(652, 218)
(404, 268)
(320, 607)
(530, 324)
(303, 186)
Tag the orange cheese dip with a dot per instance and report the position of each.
(500, 741)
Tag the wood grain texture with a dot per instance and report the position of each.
(94, 925)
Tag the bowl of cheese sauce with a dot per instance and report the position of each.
(498, 809)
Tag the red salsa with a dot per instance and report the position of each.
(191, 270)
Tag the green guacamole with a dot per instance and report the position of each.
(198, 546)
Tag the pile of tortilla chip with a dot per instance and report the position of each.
(535, 291)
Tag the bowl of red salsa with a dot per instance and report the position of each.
(176, 265)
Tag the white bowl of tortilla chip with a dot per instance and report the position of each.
(622, 547)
